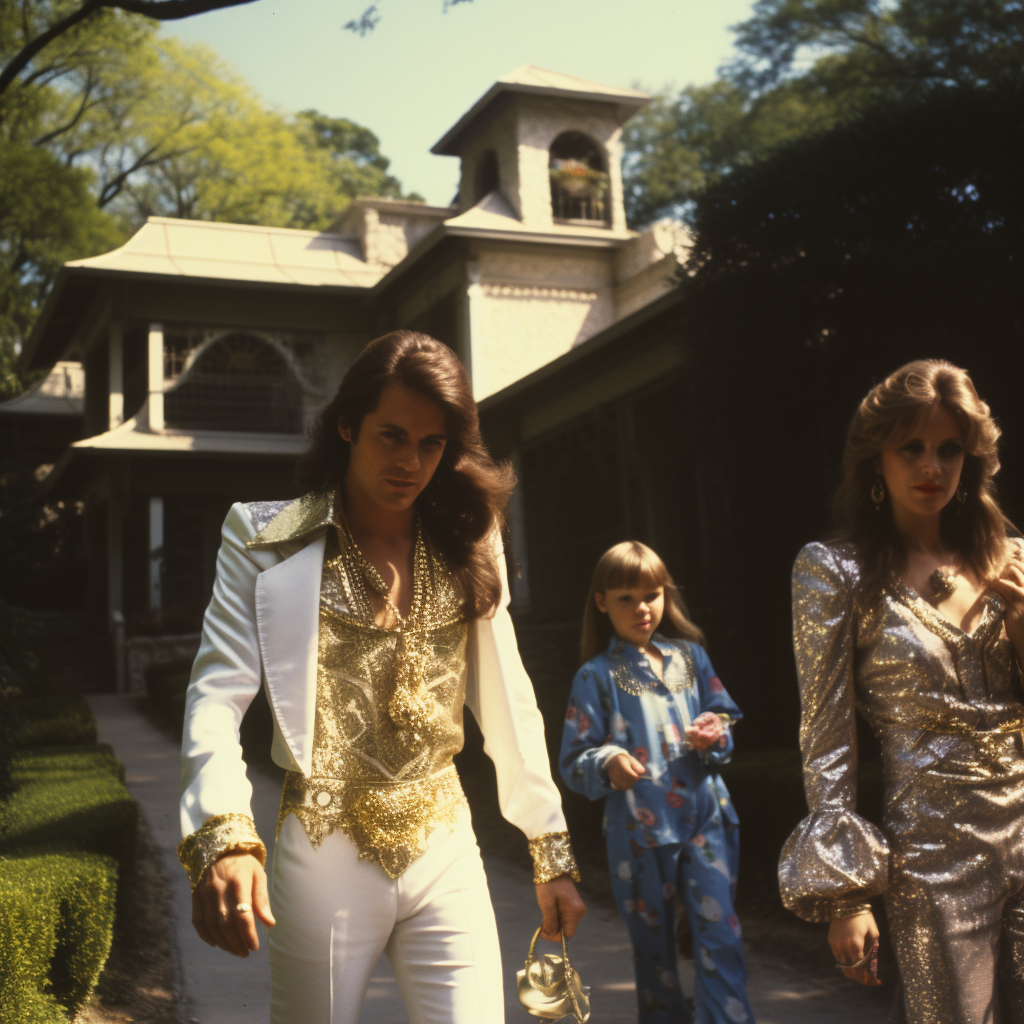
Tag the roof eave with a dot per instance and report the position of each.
(445, 231)
(27, 359)
(116, 272)
(447, 145)
(73, 459)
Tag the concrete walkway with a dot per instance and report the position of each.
(216, 988)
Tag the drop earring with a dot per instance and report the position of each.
(878, 492)
(961, 498)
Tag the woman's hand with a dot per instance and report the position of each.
(561, 907)
(1010, 587)
(232, 880)
(706, 731)
(851, 938)
(624, 771)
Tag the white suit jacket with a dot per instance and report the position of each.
(261, 629)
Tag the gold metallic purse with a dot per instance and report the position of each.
(549, 987)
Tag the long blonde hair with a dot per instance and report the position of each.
(977, 527)
(628, 565)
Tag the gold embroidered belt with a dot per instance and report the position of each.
(388, 821)
(952, 726)
(995, 751)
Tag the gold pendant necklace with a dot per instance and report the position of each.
(942, 583)
(412, 705)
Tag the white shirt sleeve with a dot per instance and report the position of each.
(226, 676)
(501, 697)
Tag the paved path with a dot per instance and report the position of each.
(215, 988)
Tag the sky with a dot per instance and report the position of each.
(422, 68)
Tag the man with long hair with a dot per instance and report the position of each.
(372, 609)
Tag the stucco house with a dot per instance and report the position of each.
(205, 348)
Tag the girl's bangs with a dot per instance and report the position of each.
(634, 568)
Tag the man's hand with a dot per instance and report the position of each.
(232, 880)
(561, 907)
(624, 771)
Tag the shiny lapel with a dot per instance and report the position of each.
(288, 620)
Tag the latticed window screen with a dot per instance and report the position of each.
(622, 471)
(240, 382)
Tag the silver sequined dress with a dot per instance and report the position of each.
(948, 709)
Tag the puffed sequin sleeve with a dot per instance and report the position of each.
(834, 860)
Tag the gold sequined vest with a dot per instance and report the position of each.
(389, 701)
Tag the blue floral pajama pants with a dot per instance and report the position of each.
(647, 882)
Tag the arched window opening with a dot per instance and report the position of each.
(579, 181)
(240, 382)
(487, 179)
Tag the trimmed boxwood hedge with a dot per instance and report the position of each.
(69, 799)
(66, 832)
(52, 721)
(56, 926)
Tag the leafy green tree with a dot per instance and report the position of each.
(132, 124)
(358, 166)
(879, 46)
(47, 215)
(815, 272)
(232, 159)
(805, 66)
(31, 28)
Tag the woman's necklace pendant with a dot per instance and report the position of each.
(942, 583)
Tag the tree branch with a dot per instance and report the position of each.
(161, 10)
(82, 108)
(172, 10)
(21, 60)
(113, 187)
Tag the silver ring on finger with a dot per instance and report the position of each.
(243, 908)
(859, 963)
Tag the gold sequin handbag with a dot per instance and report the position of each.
(549, 987)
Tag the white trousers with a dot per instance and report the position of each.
(336, 914)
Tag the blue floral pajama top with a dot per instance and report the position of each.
(618, 704)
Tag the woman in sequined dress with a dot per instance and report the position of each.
(372, 609)
(915, 618)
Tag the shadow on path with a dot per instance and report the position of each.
(216, 988)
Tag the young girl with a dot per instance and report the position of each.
(647, 724)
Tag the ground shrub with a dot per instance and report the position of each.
(69, 799)
(67, 829)
(53, 719)
(19, 669)
(56, 925)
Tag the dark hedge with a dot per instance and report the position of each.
(67, 830)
